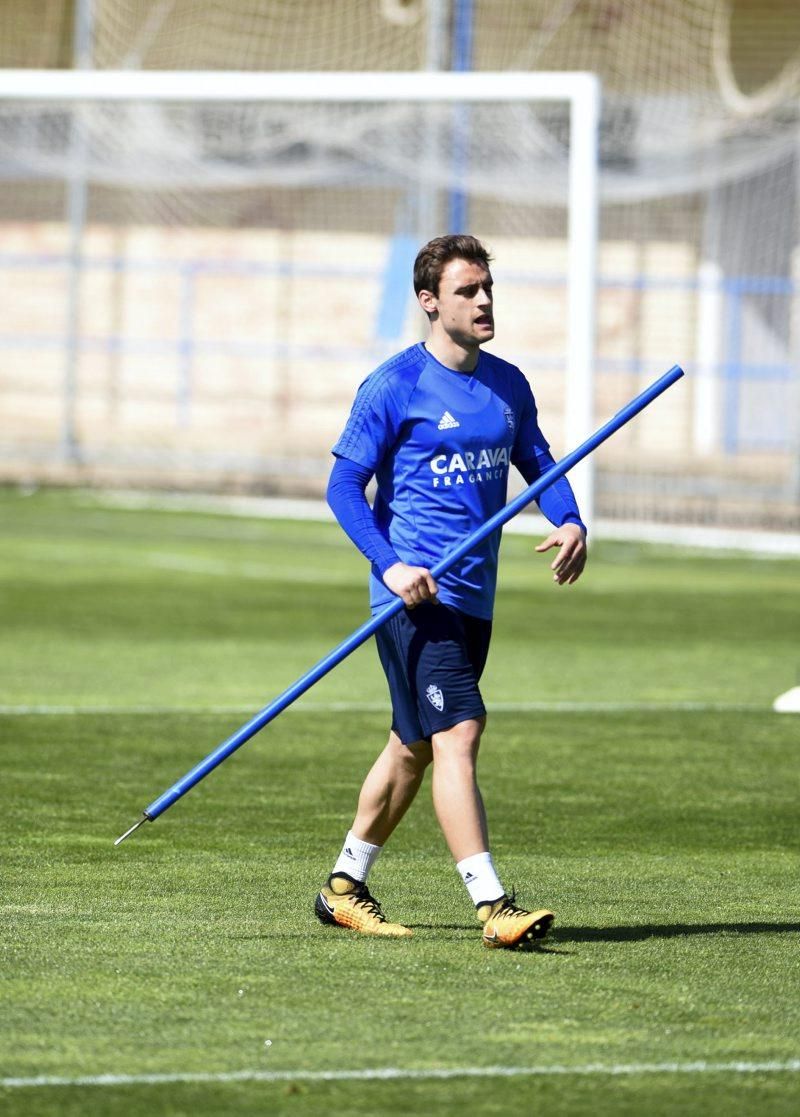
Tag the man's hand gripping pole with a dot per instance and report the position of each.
(357, 638)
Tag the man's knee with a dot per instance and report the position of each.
(459, 741)
(414, 757)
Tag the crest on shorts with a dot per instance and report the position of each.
(509, 414)
(435, 697)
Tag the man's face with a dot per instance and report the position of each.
(464, 303)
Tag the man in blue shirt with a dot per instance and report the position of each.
(439, 426)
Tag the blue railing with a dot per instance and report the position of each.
(734, 369)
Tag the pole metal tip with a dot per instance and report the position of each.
(135, 826)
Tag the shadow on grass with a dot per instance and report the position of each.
(666, 931)
(560, 937)
(445, 926)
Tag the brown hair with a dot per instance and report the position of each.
(437, 253)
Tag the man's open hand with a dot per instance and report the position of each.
(568, 564)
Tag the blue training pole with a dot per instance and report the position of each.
(357, 638)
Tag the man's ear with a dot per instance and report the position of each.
(428, 301)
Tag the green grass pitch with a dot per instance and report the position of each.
(635, 776)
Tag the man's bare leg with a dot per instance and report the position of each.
(390, 788)
(386, 795)
(462, 817)
(456, 796)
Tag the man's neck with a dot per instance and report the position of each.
(452, 355)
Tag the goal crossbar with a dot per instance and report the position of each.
(294, 85)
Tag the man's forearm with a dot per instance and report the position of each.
(348, 502)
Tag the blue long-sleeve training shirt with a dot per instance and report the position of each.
(440, 444)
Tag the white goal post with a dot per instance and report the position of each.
(581, 91)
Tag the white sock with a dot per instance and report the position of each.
(356, 858)
(483, 883)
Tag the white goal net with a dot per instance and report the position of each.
(238, 259)
(198, 285)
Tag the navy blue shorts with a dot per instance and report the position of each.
(433, 657)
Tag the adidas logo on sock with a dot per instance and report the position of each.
(468, 879)
(447, 422)
(349, 853)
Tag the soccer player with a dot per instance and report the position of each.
(439, 426)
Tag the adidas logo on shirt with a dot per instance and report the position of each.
(447, 422)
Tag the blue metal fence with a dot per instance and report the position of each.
(736, 370)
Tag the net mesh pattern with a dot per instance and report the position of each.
(240, 266)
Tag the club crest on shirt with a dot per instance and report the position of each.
(435, 697)
(509, 416)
